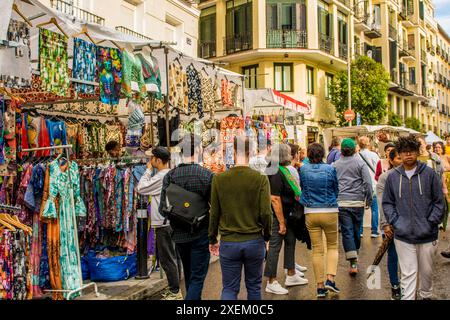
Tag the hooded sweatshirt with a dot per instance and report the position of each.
(414, 207)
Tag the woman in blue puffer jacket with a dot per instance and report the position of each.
(319, 185)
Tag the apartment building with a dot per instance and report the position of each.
(296, 46)
(292, 46)
(166, 20)
(441, 78)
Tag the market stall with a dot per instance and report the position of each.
(67, 89)
(281, 116)
(379, 133)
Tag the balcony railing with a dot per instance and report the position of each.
(343, 51)
(287, 39)
(79, 13)
(238, 42)
(326, 43)
(207, 49)
(392, 32)
(423, 55)
(132, 33)
(411, 49)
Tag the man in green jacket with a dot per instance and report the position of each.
(241, 213)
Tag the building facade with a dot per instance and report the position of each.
(165, 20)
(441, 78)
(296, 46)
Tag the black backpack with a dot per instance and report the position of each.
(185, 209)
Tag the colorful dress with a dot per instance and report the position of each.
(152, 75)
(61, 186)
(132, 72)
(109, 65)
(84, 65)
(53, 62)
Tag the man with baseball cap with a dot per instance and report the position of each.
(355, 194)
(151, 186)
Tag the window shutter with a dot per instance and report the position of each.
(393, 54)
(421, 10)
(279, 16)
(295, 25)
(303, 17)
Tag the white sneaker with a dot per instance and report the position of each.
(301, 268)
(297, 272)
(275, 288)
(295, 281)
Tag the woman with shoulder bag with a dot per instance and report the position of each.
(285, 193)
(320, 190)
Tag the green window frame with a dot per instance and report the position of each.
(328, 81)
(309, 80)
(251, 76)
(283, 77)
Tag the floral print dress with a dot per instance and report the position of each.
(109, 65)
(53, 62)
(84, 65)
(62, 186)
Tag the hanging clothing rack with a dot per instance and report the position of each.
(82, 287)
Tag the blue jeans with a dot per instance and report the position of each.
(234, 255)
(350, 220)
(392, 264)
(374, 221)
(195, 259)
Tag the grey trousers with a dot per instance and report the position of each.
(276, 240)
(168, 257)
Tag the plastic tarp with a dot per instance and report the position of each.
(431, 137)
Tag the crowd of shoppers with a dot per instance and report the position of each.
(252, 208)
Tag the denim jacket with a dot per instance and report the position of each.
(319, 185)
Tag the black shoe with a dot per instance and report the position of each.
(396, 293)
(330, 285)
(322, 292)
(446, 254)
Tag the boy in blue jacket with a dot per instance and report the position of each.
(413, 204)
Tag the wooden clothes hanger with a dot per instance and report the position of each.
(7, 225)
(13, 222)
(113, 42)
(84, 31)
(54, 22)
(25, 227)
(17, 10)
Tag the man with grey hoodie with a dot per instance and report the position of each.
(413, 204)
(355, 194)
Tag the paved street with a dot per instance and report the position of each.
(351, 288)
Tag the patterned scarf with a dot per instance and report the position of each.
(292, 182)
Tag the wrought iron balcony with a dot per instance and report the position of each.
(207, 49)
(79, 13)
(132, 33)
(237, 43)
(403, 49)
(286, 39)
(326, 43)
(343, 51)
(374, 31)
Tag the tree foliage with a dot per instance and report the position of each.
(413, 123)
(394, 119)
(370, 84)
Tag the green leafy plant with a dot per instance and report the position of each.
(370, 84)
(413, 123)
(394, 119)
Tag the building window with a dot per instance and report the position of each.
(328, 82)
(412, 75)
(251, 76)
(310, 80)
(325, 25)
(239, 21)
(284, 77)
(207, 29)
(286, 14)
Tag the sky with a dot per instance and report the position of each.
(442, 13)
